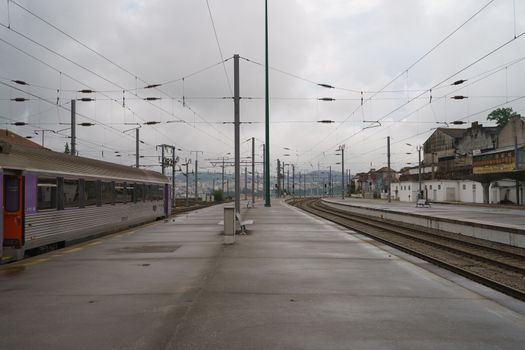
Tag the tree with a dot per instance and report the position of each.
(218, 196)
(501, 116)
(66, 149)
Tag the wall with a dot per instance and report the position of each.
(506, 135)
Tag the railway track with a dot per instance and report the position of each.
(499, 267)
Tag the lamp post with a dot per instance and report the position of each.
(267, 112)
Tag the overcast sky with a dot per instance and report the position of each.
(358, 45)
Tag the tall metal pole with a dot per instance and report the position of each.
(187, 181)
(173, 173)
(267, 112)
(137, 148)
(162, 161)
(330, 181)
(245, 183)
(278, 178)
(264, 172)
(74, 127)
(196, 177)
(288, 179)
(222, 183)
(516, 163)
(343, 172)
(389, 173)
(293, 180)
(253, 171)
(419, 195)
(237, 133)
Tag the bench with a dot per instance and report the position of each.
(422, 203)
(242, 223)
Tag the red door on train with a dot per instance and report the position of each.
(13, 210)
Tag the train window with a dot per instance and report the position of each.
(129, 193)
(139, 193)
(12, 194)
(71, 193)
(107, 193)
(160, 192)
(46, 193)
(90, 190)
(120, 192)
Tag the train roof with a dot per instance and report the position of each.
(27, 157)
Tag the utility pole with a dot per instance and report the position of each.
(342, 149)
(516, 163)
(173, 173)
(162, 162)
(264, 172)
(196, 172)
(253, 172)
(137, 165)
(330, 181)
(418, 148)
(222, 183)
(389, 172)
(187, 180)
(245, 183)
(43, 131)
(258, 180)
(304, 185)
(267, 112)
(237, 123)
(288, 179)
(74, 127)
(278, 178)
(293, 180)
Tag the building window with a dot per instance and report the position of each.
(473, 186)
(464, 186)
(409, 187)
(71, 193)
(439, 187)
(430, 186)
(90, 191)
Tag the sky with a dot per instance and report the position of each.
(400, 57)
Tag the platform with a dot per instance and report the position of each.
(294, 282)
(502, 225)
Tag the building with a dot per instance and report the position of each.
(472, 165)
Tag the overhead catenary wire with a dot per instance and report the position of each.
(219, 47)
(148, 85)
(433, 86)
(103, 78)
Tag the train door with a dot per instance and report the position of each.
(13, 210)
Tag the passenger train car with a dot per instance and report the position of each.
(50, 199)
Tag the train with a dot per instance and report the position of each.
(50, 200)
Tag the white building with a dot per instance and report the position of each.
(464, 191)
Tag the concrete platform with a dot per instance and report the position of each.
(502, 225)
(294, 282)
(507, 217)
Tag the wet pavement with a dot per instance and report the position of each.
(294, 282)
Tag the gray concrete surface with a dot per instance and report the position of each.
(294, 282)
(508, 217)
